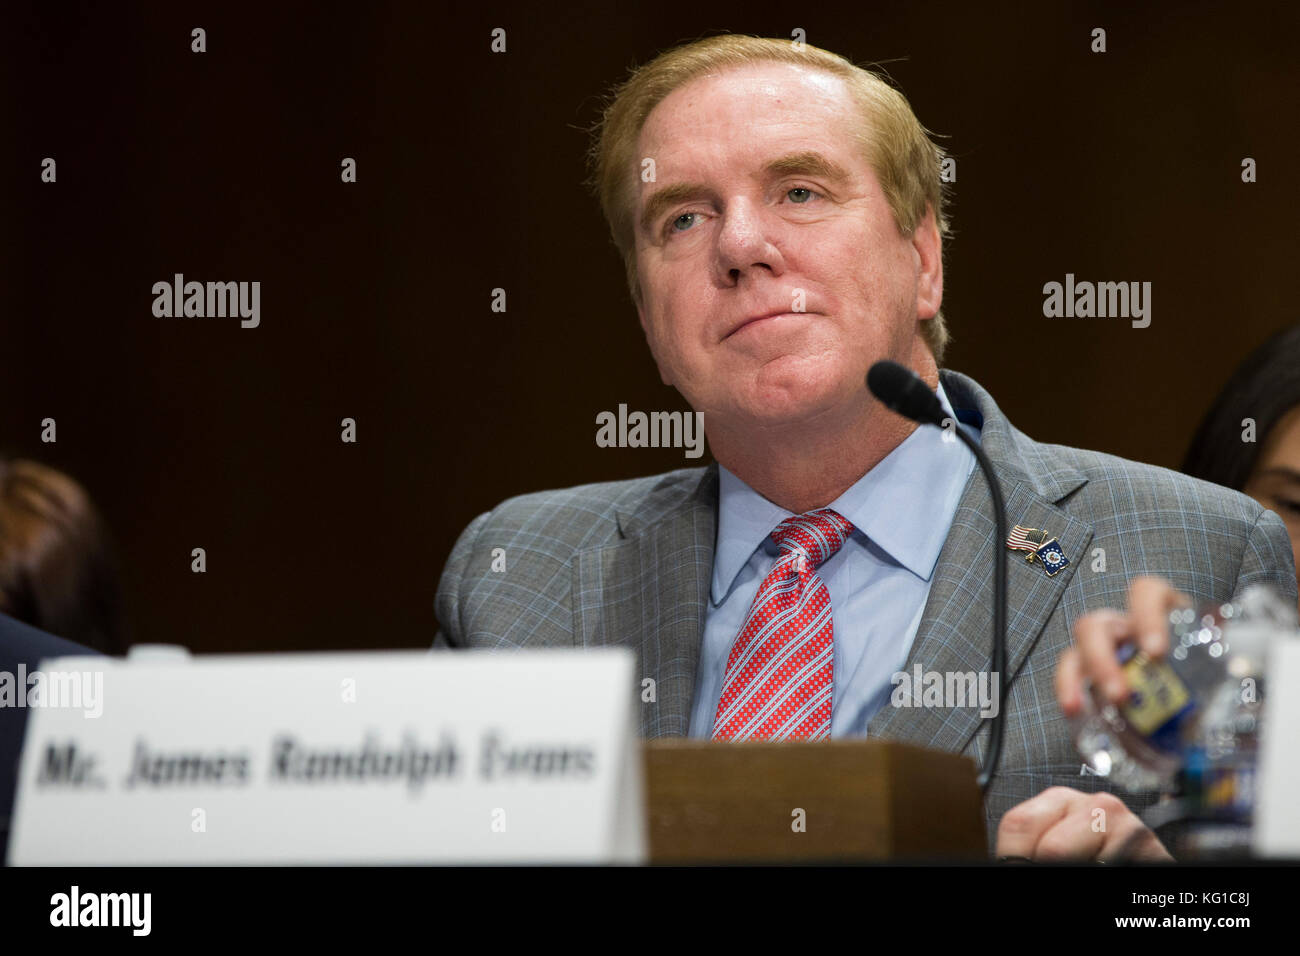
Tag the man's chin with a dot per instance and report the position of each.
(785, 410)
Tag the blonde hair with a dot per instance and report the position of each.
(894, 143)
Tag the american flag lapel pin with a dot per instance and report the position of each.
(1039, 546)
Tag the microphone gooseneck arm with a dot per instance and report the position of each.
(903, 391)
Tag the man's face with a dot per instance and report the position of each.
(772, 201)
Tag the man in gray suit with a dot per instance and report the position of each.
(780, 213)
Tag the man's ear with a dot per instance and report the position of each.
(928, 247)
(645, 327)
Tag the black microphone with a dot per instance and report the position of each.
(903, 391)
(900, 389)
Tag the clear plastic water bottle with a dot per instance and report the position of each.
(1190, 725)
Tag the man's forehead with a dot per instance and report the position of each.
(758, 81)
(748, 117)
(780, 93)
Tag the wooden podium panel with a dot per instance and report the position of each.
(862, 800)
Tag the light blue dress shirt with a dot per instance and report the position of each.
(878, 581)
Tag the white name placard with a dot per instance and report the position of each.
(1276, 831)
(401, 756)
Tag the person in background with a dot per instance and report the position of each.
(57, 569)
(1249, 440)
(21, 648)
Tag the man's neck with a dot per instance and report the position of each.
(806, 467)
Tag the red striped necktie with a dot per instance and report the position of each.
(780, 674)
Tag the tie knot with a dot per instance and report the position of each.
(817, 534)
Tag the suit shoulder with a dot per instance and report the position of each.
(535, 538)
(1208, 540)
(588, 515)
(1155, 490)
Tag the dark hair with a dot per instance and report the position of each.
(1265, 387)
(57, 571)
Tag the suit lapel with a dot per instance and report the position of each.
(955, 634)
(648, 591)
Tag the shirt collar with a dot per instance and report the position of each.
(903, 506)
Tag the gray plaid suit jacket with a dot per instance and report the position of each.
(629, 563)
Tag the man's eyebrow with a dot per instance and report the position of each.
(805, 163)
(667, 197)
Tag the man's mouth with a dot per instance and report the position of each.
(754, 319)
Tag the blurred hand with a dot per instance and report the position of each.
(1098, 635)
(1061, 824)
(1065, 824)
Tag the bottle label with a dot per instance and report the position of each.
(1156, 694)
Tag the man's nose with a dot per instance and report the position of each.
(745, 240)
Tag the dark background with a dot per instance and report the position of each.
(1123, 166)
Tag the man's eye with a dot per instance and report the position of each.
(687, 218)
(800, 195)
